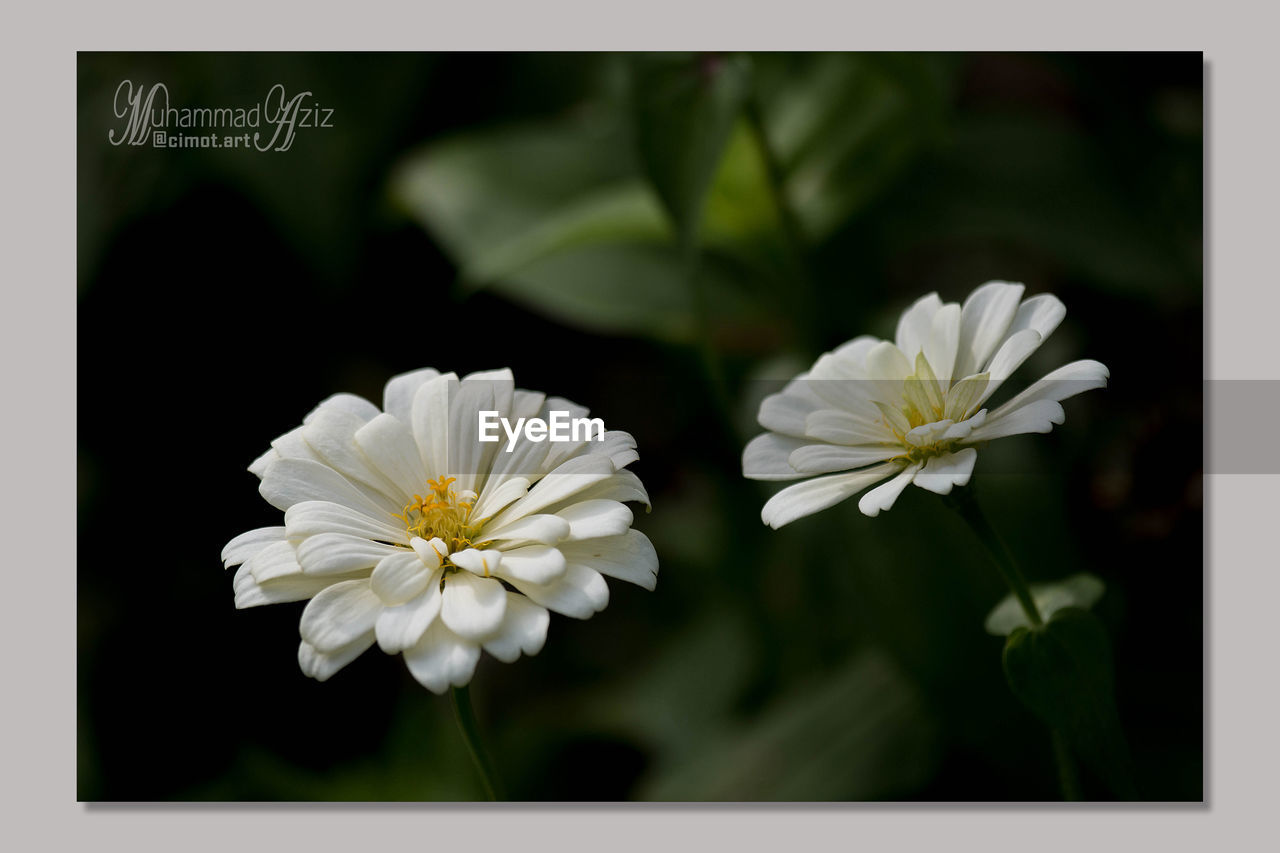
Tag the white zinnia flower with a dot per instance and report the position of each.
(911, 409)
(401, 527)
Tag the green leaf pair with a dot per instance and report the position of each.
(562, 217)
(1082, 590)
(685, 108)
(593, 217)
(1063, 672)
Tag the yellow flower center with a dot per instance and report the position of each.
(921, 453)
(926, 401)
(444, 514)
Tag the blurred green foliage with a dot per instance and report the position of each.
(659, 237)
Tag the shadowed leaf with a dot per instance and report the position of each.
(1063, 673)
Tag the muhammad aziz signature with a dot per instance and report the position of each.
(271, 125)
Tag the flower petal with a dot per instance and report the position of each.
(277, 560)
(984, 320)
(915, 325)
(337, 553)
(291, 481)
(853, 354)
(250, 593)
(259, 466)
(244, 546)
(570, 478)
(498, 493)
(473, 606)
(402, 626)
(293, 445)
(629, 557)
(526, 404)
(399, 577)
(963, 396)
(927, 434)
(1012, 353)
(502, 384)
(942, 473)
(311, 518)
(483, 562)
(559, 452)
(965, 427)
(578, 593)
(943, 342)
(339, 615)
(523, 630)
(389, 445)
(397, 396)
(846, 427)
(532, 563)
(819, 493)
(1042, 312)
(786, 411)
(595, 518)
(442, 659)
(352, 403)
(1036, 416)
(429, 418)
(619, 446)
(823, 458)
(622, 486)
(331, 434)
(1067, 381)
(321, 665)
(431, 552)
(885, 362)
(468, 456)
(883, 496)
(545, 528)
(766, 455)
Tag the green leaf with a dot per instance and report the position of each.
(862, 733)
(740, 219)
(631, 288)
(845, 126)
(556, 216)
(559, 216)
(490, 196)
(685, 108)
(1082, 590)
(622, 212)
(1063, 673)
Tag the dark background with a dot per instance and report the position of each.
(224, 293)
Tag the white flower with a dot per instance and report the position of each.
(911, 410)
(402, 528)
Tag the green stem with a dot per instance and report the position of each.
(460, 698)
(966, 503)
(1067, 780)
(707, 352)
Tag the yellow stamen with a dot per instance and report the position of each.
(441, 515)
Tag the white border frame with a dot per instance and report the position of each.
(38, 336)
